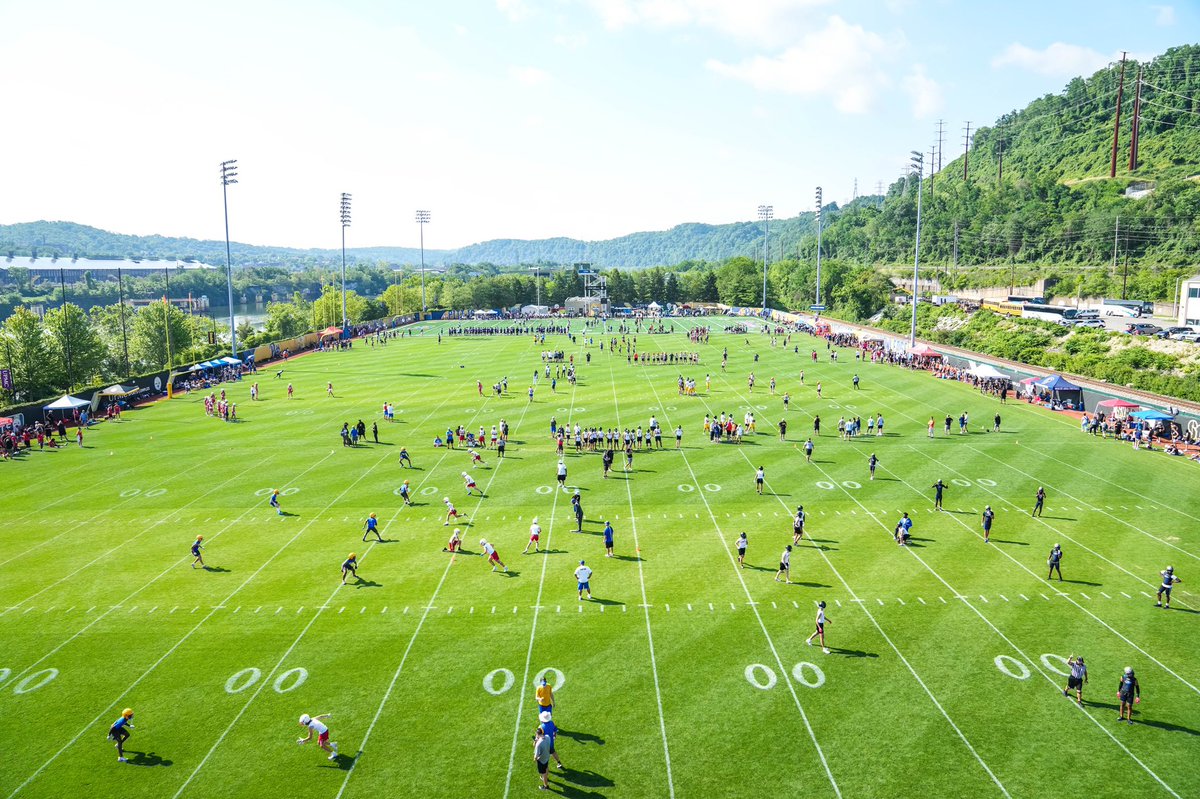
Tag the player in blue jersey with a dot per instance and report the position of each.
(198, 545)
(119, 733)
(404, 495)
(275, 501)
(1168, 582)
(350, 567)
(989, 516)
(550, 729)
(371, 525)
(608, 540)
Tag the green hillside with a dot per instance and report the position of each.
(1036, 187)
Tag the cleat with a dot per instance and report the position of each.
(122, 760)
(825, 649)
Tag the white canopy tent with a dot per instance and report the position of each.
(66, 403)
(987, 372)
(117, 390)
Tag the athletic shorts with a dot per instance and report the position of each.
(323, 738)
(494, 557)
(741, 552)
(585, 586)
(783, 566)
(562, 478)
(820, 629)
(1074, 683)
(543, 767)
(534, 537)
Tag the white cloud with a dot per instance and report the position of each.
(515, 10)
(925, 92)
(1058, 60)
(769, 22)
(1164, 16)
(528, 76)
(571, 41)
(842, 61)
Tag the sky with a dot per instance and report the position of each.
(512, 118)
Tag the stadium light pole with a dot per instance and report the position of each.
(345, 224)
(765, 212)
(422, 219)
(918, 162)
(537, 281)
(228, 176)
(818, 302)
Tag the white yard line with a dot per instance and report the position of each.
(1070, 599)
(130, 540)
(1117, 519)
(662, 722)
(788, 678)
(429, 606)
(512, 755)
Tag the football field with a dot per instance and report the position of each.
(683, 676)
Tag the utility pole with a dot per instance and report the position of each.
(819, 203)
(1112, 167)
(956, 246)
(932, 161)
(1137, 116)
(918, 160)
(941, 142)
(966, 149)
(1000, 164)
(1125, 276)
(1116, 234)
(67, 330)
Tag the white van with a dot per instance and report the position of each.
(1087, 314)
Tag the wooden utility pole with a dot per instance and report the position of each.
(1137, 114)
(966, 150)
(1000, 164)
(1112, 167)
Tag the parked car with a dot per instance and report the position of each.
(1142, 329)
(1089, 313)
(1092, 323)
(1172, 332)
(1188, 335)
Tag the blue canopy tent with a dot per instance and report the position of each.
(1059, 389)
(1152, 416)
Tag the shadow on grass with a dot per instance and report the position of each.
(288, 513)
(367, 584)
(510, 573)
(581, 737)
(588, 779)
(599, 601)
(1021, 544)
(630, 558)
(342, 762)
(851, 653)
(1082, 582)
(148, 759)
(810, 585)
(1058, 518)
(572, 792)
(217, 569)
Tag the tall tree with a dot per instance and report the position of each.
(27, 351)
(75, 345)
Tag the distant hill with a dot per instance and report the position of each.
(688, 242)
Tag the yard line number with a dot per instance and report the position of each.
(763, 677)
(1011, 667)
(289, 680)
(31, 683)
(507, 679)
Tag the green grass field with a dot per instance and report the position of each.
(685, 676)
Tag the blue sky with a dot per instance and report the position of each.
(512, 118)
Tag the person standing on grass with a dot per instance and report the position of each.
(274, 502)
(329, 389)
(544, 695)
(872, 462)
(314, 724)
(1130, 694)
(535, 535)
(629, 457)
(577, 507)
(608, 539)
(541, 757)
(820, 631)
(1038, 502)
(938, 488)
(1054, 562)
(469, 483)
(759, 476)
(996, 423)
(808, 450)
(350, 568)
(451, 512)
(798, 525)
(119, 733)
(404, 495)
(949, 421)
(817, 425)
(547, 725)
(855, 381)
(375, 431)
(562, 475)
(785, 565)
(198, 545)
(929, 427)
(988, 517)
(492, 555)
(583, 577)
(371, 525)
(1077, 679)
(741, 550)
(607, 462)
(1168, 581)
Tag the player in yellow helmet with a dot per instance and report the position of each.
(119, 733)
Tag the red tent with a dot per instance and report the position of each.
(924, 351)
(331, 331)
(1117, 403)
